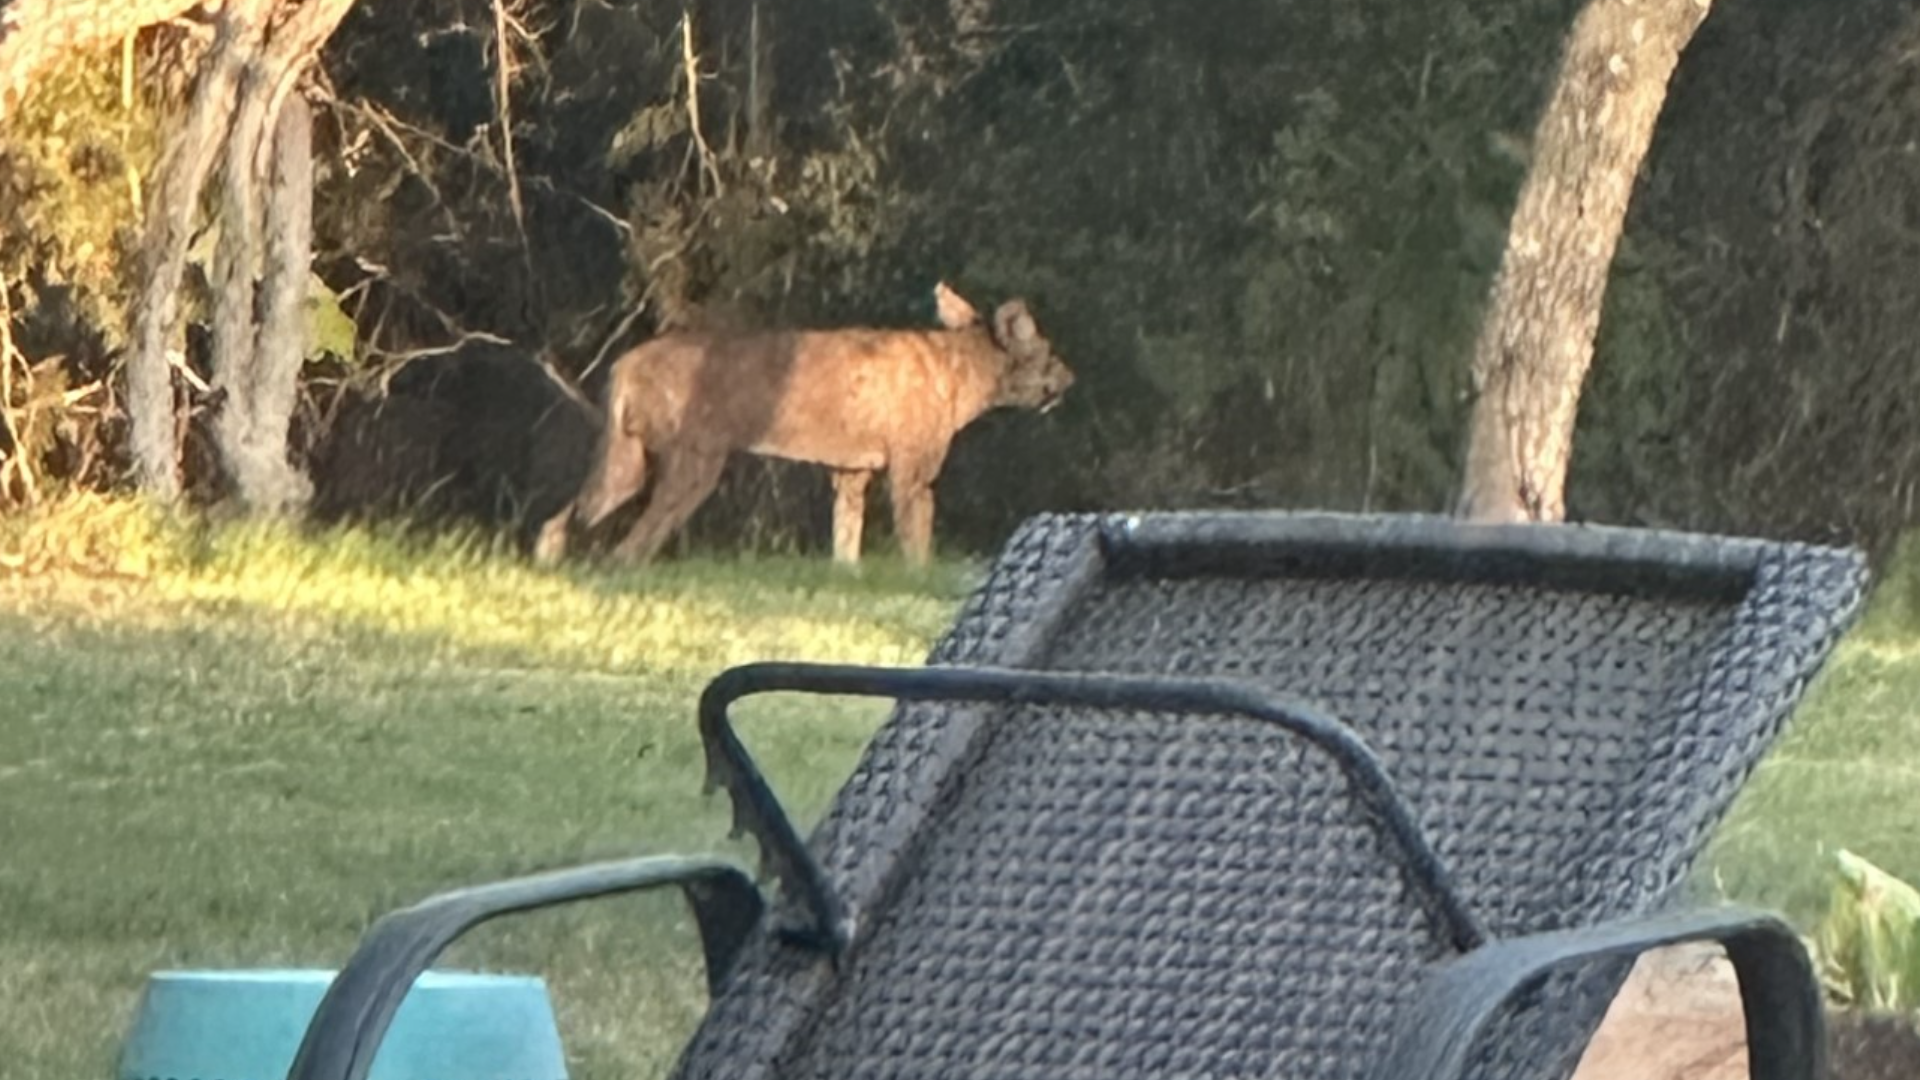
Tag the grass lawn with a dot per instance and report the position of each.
(1847, 773)
(244, 754)
(237, 747)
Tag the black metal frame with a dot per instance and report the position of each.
(758, 811)
(358, 1008)
(1603, 558)
(360, 1005)
(1456, 1005)
(1779, 992)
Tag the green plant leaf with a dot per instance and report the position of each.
(329, 328)
(1869, 940)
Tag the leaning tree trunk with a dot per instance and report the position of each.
(1536, 343)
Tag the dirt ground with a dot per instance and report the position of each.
(1679, 1018)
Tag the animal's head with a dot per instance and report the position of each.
(1033, 378)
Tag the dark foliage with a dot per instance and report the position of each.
(1262, 235)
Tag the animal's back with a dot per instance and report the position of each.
(842, 398)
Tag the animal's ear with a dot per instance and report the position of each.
(1013, 323)
(955, 312)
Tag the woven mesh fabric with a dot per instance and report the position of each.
(1067, 893)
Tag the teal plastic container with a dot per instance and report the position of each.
(247, 1025)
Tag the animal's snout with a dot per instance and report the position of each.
(1055, 387)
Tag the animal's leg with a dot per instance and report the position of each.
(910, 487)
(552, 542)
(685, 478)
(849, 512)
(619, 470)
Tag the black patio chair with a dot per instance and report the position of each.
(1242, 795)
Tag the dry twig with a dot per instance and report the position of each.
(15, 464)
(691, 61)
(503, 100)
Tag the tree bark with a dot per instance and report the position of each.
(1536, 342)
(260, 339)
(236, 269)
(244, 85)
(163, 245)
(283, 340)
(256, 469)
(259, 366)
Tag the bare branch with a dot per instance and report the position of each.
(402, 359)
(177, 360)
(390, 126)
(503, 100)
(295, 42)
(619, 223)
(18, 463)
(692, 65)
(618, 333)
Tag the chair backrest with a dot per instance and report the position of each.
(1053, 891)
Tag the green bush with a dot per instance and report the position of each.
(75, 160)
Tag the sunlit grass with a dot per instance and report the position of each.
(1846, 774)
(459, 596)
(237, 744)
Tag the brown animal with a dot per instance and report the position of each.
(856, 401)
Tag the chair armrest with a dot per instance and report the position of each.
(831, 926)
(1786, 1038)
(358, 1007)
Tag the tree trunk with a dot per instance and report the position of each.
(260, 280)
(236, 269)
(260, 332)
(281, 346)
(163, 245)
(1536, 342)
(244, 86)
